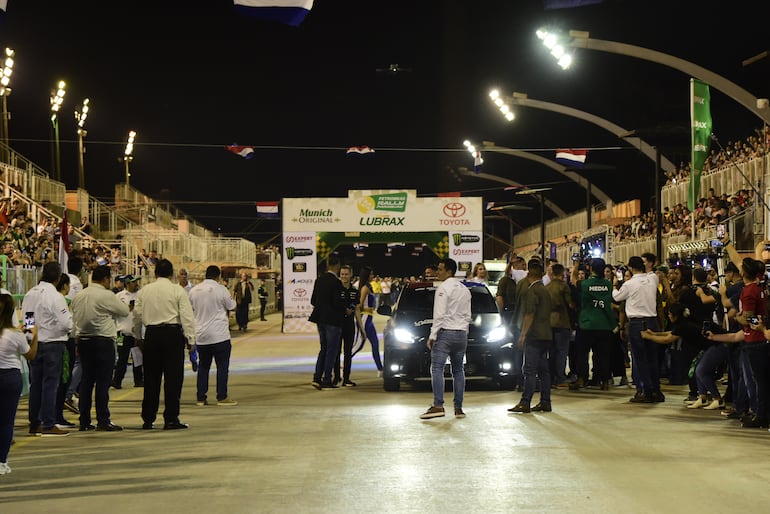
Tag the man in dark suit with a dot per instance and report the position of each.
(329, 303)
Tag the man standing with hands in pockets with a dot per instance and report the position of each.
(448, 338)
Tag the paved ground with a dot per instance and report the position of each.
(289, 448)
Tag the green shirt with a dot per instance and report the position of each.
(596, 304)
(537, 301)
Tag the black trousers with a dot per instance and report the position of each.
(348, 335)
(164, 358)
(262, 305)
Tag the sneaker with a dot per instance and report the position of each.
(226, 402)
(109, 427)
(562, 385)
(459, 413)
(542, 407)
(117, 385)
(201, 403)
(520, 408)
(64, 424)
(315, 384)
(4, 468)
(433, 412)
(35, 431)
(54, 431)
(69, 404)
(349, 383)
(658, 397)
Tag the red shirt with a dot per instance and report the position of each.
(753, 300)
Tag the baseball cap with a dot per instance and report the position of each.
(122, 278)
(662, 268)
(130, 278)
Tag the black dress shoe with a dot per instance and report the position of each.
(117, 385)
(542, 407)
(108, 428)
(86, 428)
(147, 426)
(755, 422)
(329, 385)
(176, 425)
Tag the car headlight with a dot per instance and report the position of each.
(403, 335)
(496, 334)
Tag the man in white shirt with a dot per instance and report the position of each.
(640, 294)
(94, 310)
(54, 321)
(448, 338)
(164, 309)
(211, 302)
(126, 336)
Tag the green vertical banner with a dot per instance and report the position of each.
(700, 123)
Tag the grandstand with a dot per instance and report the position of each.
(733, 174)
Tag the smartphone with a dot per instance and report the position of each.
(620, 274)
(29, 321)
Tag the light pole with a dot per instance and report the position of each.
(523, 100)
(80, 118)
(57, 98)
(539, 192)
(128, 153)
(581, 39)
(5, 91)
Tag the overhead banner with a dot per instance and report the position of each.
(700, 122)
(314, 227)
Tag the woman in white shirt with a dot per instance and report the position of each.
(13, 343)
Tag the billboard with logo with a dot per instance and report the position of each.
(365, 212)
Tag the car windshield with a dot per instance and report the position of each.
(420, 300)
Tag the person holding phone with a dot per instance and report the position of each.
(12, 344)
(54, 322)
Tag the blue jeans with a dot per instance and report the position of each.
(560, 351)
(10, 390)
(757, 357)
(536, 365)
(220, 353)
(97, 359)
(449, 344)
(44, 377)
(330, 337)
(644, 355)
(738, 380)
(712, 358)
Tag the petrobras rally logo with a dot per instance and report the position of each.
(454, 212)
(459, 239)
(390, 202)
(292, 252)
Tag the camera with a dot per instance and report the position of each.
(29, 321)
(753, 320)
(575, 257)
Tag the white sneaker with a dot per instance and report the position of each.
(5, 469)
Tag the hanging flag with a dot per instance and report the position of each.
(570, 157)
(288, 12)
(700, 122)
(477, 161)
(359, 149)
(267, 209)
(247, 152)
(64, 243)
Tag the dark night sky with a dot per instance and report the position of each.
(191, 78)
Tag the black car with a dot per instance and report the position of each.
(489, 355)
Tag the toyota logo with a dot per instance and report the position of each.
(454, 210)
(300, 293)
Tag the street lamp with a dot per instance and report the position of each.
(5, 91)
(580, 39)
(128, 153)
(477, 160)
(523, 100)
(57, 98)
(80, 118)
